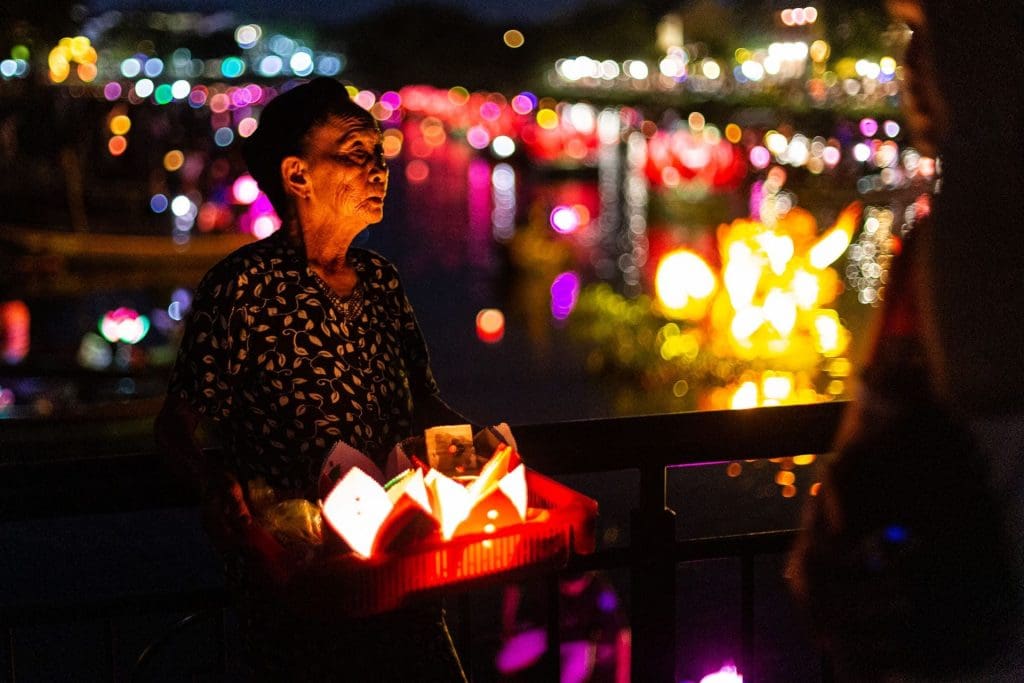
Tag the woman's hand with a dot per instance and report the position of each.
(226, 514)
(230, 524)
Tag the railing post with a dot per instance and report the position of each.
(11, 666)
(653, 583)
(747, 631)
(464, 642)
(111, 649)
(551, 660)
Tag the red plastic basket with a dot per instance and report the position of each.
(561, 522)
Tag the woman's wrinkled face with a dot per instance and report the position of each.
(347, 173)
(923, 104)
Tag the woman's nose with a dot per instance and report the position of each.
(379, 172)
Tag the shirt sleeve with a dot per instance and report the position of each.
(209, 360)
(414, 347)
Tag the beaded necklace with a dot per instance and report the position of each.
(351, 306)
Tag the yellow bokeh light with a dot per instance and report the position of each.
(733, 133)
(806, 288)
(547, 119)
(819, 51)
(804, 459)
(458, 95)
(777, 386)
(776, 142)
(87, 72)
(744, 397)
(433, 131)
(783, 478)
(681, 276)
(778, 248)
(839, 367)
(381, 111)
(392, 143)
(828, 249)
(514, 38)
(741, 277)
(59, 74)
(746, 322)
(826, 332)
(174, 160)
(79, 48)
(120, 124)
(780, 311)
(76, 50)
(58, 57)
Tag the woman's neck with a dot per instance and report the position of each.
(326, 249)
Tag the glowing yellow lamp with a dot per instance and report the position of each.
(682, 279)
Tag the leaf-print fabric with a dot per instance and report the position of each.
(268, 355)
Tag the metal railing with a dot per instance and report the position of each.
(649, 444)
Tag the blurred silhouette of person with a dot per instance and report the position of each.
(594, 633)
(910, 563)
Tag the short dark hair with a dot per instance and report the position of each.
(283, 126)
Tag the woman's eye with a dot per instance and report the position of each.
(355, 156)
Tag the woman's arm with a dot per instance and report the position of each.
(225, 512)
(174, 429)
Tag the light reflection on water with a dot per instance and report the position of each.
(468, 233)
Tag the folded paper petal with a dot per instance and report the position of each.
(342, 458)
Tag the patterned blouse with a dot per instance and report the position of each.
(287, 368)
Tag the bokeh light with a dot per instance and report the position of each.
(245, 190)
(120, 124)
(564, 219)
(503, 146)
(565, 292)
(490, 325)
(117, 145)
(124, 325)
(417, 171)
(248, 35)
(144, 87)
(683, 276)
(224, 136)
(727, 674)
(247, 126)
(173, 160)
(232, 67)
(513, 38)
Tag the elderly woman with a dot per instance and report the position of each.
(294, 343)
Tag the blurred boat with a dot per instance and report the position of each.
(41, 261)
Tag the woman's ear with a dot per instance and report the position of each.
(294, 178)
